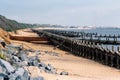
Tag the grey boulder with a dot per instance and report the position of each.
(6, 65)
(37, 78)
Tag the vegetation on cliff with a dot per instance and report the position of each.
(11, 25)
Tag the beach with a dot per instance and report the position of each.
(78, 68)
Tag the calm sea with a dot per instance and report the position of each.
(102, 31)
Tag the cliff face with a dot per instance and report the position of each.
(10, 25)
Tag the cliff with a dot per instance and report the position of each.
(11, 25)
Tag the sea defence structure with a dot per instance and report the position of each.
(83, 47)
(91, 37)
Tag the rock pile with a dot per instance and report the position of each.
(12, 67)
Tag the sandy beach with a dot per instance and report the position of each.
(78, 68)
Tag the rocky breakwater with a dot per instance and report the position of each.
(18, 63)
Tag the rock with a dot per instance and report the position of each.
(6, 65)
(64, 73)
(20, 78)
(42, 64)
(3, 43)
(30, 63)
(23, 56)
(31, 50)
(3, 76)
(34, 58)
(20, 71)
(52, 53)
(10, 50)
(37, 78)
(24, 63)
(2, 70)
(16, 59)
(21, 64)
(37, 52)
(16, 47)
(48, 67)
(19, 74)
(33, 61)
(26, 75)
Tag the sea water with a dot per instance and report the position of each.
(102, 31)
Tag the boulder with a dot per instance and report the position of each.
(33, 61)
(12, 76)
(23, 56)
(21, 64)
(10, 50)
(41, 64)
(26, 75)
(3, 76)
(2, 70)
(37, 78)
(50, 69)
(7, 66)
(24, 63)
(16, 59)
(20, 78)
(20, 71)
(3, 43)
(34, 58)
(19, 74)
(16, 47)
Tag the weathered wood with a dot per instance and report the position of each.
(26, 38)
(85, 48)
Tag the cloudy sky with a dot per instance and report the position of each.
(63, 12)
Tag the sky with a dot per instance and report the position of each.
(63, 12)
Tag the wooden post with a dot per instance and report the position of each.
(118, 48)
(99, 38)
(114, 38)
(113, 48)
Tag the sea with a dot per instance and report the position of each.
(102, 31)
(106, 31)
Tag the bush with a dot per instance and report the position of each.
(2, 56)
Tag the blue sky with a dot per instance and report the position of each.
(63, 12)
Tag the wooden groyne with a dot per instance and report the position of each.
(83, 48)
(91, 37)
(28, 38)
